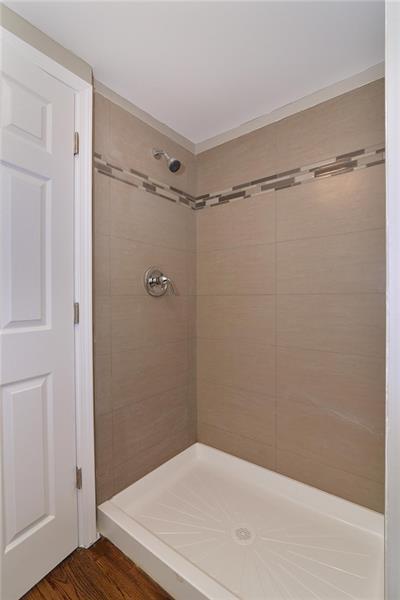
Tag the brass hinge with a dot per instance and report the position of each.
(76, 313)
(76, 143)
(78, 478)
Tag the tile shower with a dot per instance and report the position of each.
(274, 348)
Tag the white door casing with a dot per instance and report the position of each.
(40, 520)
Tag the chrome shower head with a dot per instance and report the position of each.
(173, 163)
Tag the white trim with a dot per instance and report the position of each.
(46, 63)
(336, 89)
(144, 116)
(392, 525)
(26, 31)
(83, 282)
(83, 331)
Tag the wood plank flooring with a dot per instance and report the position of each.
(100, 573)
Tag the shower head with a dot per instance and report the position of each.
(173, 163)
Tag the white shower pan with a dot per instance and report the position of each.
(209, 525)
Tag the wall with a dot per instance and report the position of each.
(143, 348)
(291, 303)
(290, 352)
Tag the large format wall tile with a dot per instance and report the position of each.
(144, 356)
(143, 320)
(102, 325)
(304, 266)
(245, 223)
(245, 365)
(101, 204)
(148, 370)
(150, 421)
(143, 217)
(313, 471)
(130, 145)
(237, 271)
(245, 448)
(102, 383)
(289, 362)
(243, 159)
(149, 456)
(130, 260)
(349, 263)
(345, 323)
(101, 265)
(349, 122)
(248, 414)
(333, 438)
(237, 318)
(104, 448)
(333, 205)
(101, 123)
(345, 384)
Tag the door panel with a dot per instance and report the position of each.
(28, 447)
(38, 445)
(25, 229)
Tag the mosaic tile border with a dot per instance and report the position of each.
(143, 182)
(344, 163)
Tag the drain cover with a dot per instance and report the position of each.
(243, 534)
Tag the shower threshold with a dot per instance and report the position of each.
(209, 525)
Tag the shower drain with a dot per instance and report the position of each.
(243, 534)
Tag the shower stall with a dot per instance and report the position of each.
(239, 325)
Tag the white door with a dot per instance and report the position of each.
(38, 444)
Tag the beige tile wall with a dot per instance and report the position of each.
(345, 123)
(291, 303)
(288, 305)
(143, 346)
(127, 141)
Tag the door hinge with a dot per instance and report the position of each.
(78, 478)
(76, 313)
(76, 143)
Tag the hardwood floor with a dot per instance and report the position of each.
(100, 573)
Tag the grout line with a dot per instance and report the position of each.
(240, 435)
(152, 244)
(288, 240)
(329, 235)
(373, 293)
(351, 354)
(285, 347)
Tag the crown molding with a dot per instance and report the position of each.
(336, 89)
(144, 116)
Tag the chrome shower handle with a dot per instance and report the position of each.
(156, 283)
(166, 282)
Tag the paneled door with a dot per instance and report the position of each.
(38, 446)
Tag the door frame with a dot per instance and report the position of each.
(83, 92)
(392, 508)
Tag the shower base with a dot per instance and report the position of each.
(209, 525)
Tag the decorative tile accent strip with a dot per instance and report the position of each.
(344, 163)
(143, 182)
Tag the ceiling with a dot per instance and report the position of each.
(203, 68)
